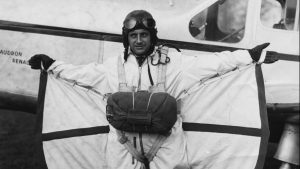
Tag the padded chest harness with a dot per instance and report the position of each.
(152, 111)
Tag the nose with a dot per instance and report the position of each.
(139, 38)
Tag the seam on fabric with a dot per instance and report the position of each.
(75, 133)
(195, 86)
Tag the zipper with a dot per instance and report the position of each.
(140, 77)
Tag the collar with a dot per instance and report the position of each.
(132, 57)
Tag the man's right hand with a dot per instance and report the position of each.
(36, 61)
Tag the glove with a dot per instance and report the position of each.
(36, 60)
(257, 50)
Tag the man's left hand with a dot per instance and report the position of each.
(255, 52)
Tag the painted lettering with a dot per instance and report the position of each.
(10, 53)
(19, 61)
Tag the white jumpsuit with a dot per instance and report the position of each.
(182, 72)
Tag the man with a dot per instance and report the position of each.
(138, 69)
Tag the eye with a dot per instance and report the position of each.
(133, 35)
(144, 34)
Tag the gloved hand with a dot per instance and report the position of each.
(257, 50)
(36, 60)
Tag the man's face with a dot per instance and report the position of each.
(139, 41)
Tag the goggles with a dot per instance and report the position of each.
(132, 23)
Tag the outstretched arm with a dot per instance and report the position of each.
(89, 74)
(208, 65)
(194, 69)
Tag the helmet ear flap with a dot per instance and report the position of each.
(126, 53)
(154, 37)
(125, 42)
(125, 37)
(154, 40)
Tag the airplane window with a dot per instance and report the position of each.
(224, 21)
(291, 15)
(280, 14)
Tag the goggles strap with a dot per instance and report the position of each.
(133, 23)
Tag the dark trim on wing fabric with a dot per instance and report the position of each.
(93, 35)
(75, 133)
(214, 128)
(264, 118)
(39, 119)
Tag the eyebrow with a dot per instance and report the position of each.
(143, 31)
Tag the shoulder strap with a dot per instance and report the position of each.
(121, 71)
(161, 78)
(122, 77)
(161, 70)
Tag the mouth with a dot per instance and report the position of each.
(139, 47)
